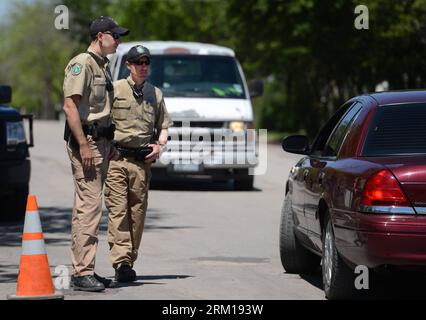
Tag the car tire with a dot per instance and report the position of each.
(295, 258)
(244, 183)
(338, 278)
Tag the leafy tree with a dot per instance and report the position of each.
(319, 59)
(308, 51)
(81, 14)
(201, 21)
(34, 56)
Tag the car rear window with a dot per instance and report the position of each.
(397, 130)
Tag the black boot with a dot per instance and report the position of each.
(125, 274)
(106, 282)
(87, 283)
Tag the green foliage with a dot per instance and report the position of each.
(33, 58)
(81, 15)
(172, 20)
(319, 59)
(308, 52)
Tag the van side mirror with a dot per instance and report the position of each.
(5, 94)
(296, 144)
(256, 88)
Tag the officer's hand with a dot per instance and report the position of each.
(87, 157)
(155, 154)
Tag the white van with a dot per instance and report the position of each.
(207, 97)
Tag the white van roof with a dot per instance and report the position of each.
(165, 47)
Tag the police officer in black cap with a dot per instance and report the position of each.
(88, 93)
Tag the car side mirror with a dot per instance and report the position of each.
(296, 144)
(256, 88)
(5, 94)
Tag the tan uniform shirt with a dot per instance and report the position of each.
(135, 119)
(87, 77)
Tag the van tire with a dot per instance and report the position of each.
(244, 182)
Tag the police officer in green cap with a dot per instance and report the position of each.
(141, 119)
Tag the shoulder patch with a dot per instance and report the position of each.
(76, 69)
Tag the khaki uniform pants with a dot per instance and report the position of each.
(126, 197)
(87, 211)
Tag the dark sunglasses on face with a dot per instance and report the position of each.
(141, 62)
(115, 35)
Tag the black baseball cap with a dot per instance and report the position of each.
(136, 53)
(103, 24)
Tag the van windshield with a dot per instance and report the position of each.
(193, 76)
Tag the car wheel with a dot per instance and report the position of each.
(295, 258)
(338, 278)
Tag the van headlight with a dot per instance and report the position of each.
(15, 133)
(237, 126)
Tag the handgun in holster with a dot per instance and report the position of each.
(69, 137)
(93, 130)
(138, 154)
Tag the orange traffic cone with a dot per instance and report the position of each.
(34, 279)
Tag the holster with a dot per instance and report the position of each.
(139, 154)
(98, 133)
(69, 137)
(93, 130)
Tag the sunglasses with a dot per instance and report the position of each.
(142, 62)
(115, 35)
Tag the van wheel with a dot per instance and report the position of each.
(244, 183)
(295, 258)
(338, 278)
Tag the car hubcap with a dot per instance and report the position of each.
(328, 255)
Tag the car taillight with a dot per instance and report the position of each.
(382, 189)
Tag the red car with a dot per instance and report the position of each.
(358, 197)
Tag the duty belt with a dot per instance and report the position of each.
(139, 153)
(99, 132)
(93, 130)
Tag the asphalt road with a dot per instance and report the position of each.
(202, 240)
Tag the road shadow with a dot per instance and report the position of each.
(8, 273)
(163, 277)
(192, 184)
(397, 285)
(148, 280)
(315, 278)
(56, 224)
